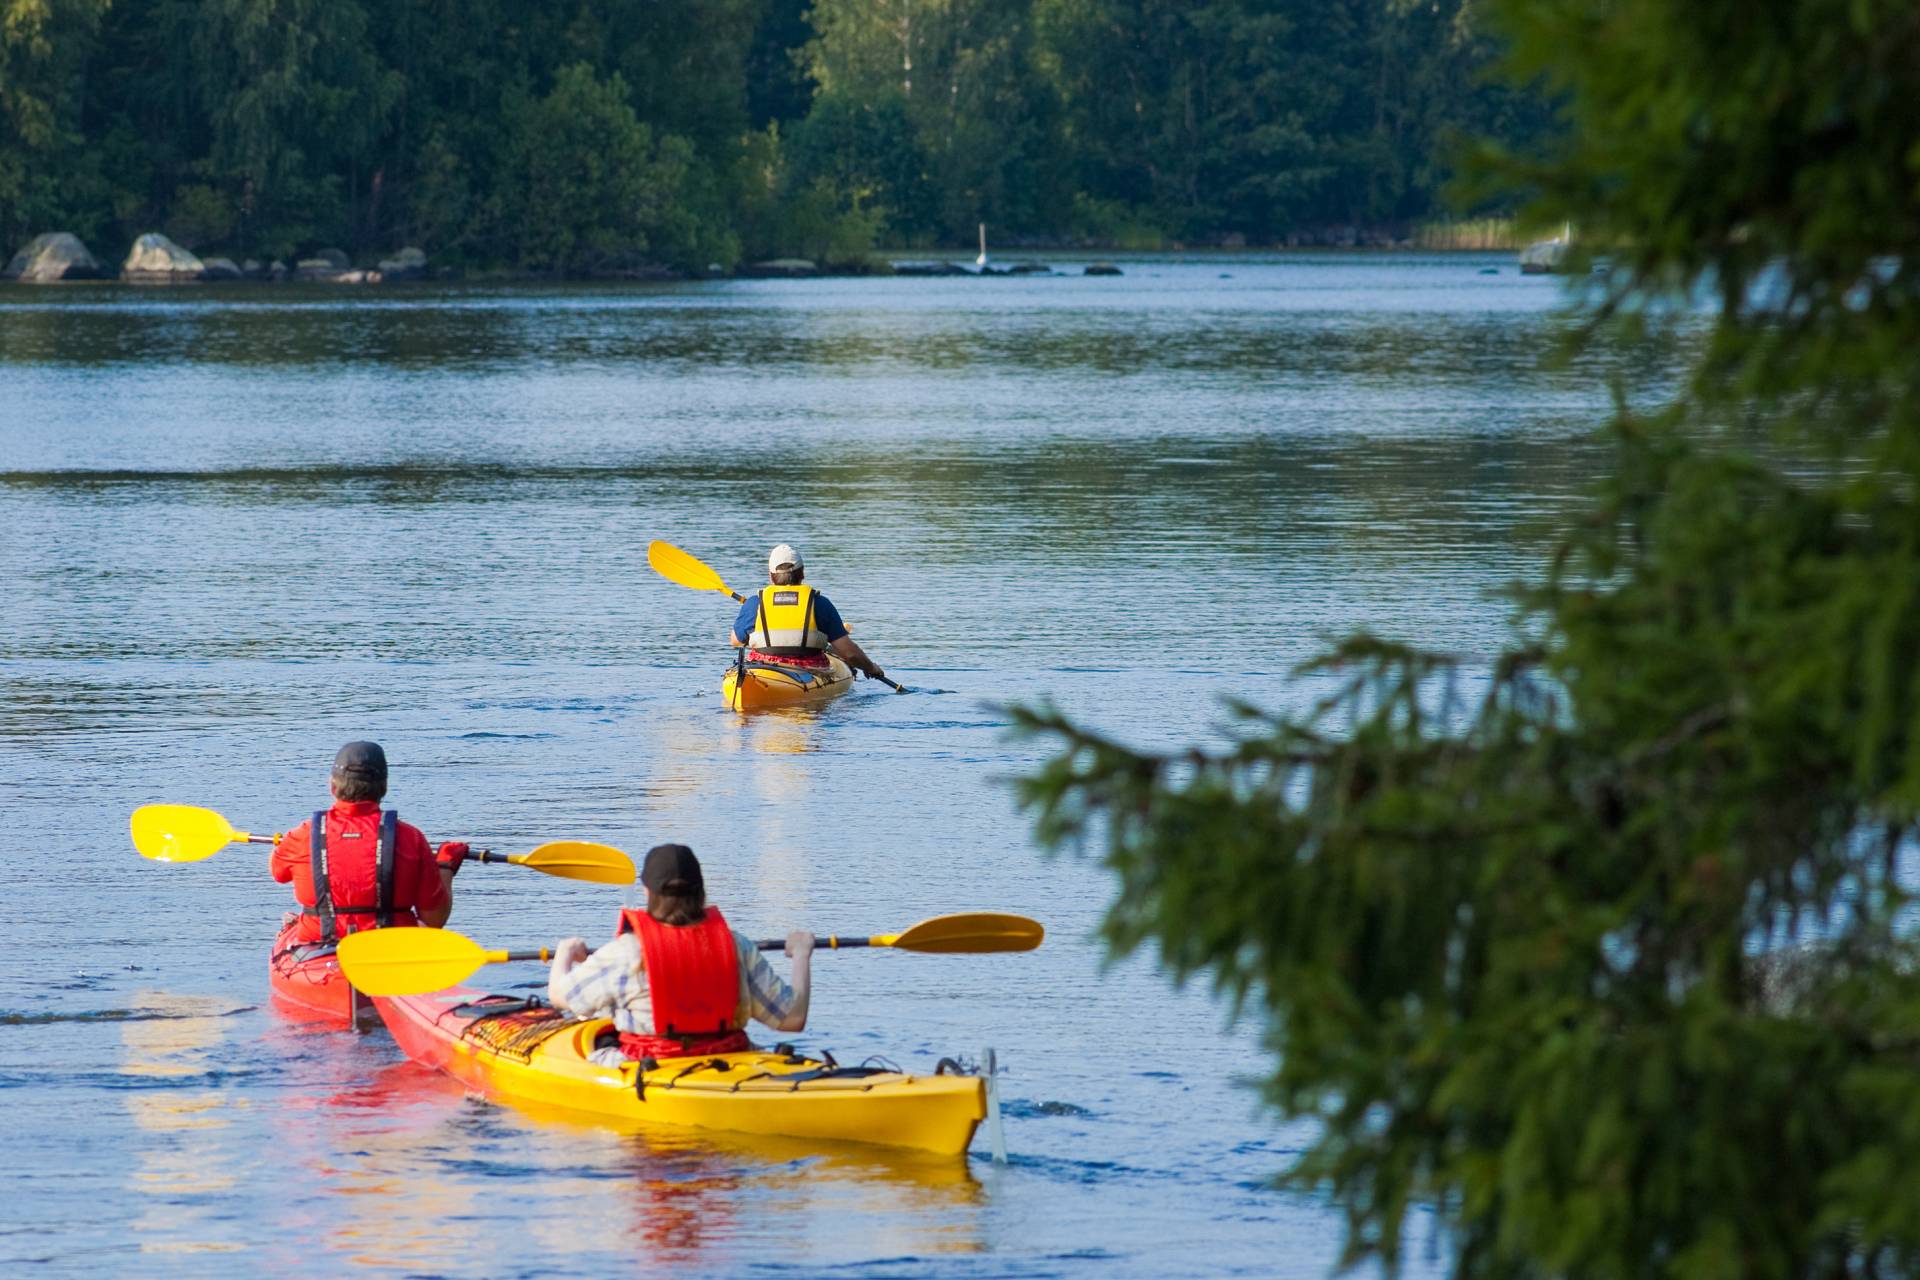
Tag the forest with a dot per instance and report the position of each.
(589, 136)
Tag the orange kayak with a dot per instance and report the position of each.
(306, 980)
(762, 683)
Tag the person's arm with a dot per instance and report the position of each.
(435, 911)
(289, 853)
(857, 658)
(435, 916)
(743, 621)
(567, 953)
(769, 1000)
(827, 618)
(596, 985)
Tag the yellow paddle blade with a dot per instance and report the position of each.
(977, 931)
(579, 860)
(675, 565)
(409, 962)
(180, 832)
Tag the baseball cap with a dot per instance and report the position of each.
(362, 760)
(784, 555)
(669, 862)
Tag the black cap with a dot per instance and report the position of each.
(362, 760)
(667, 862)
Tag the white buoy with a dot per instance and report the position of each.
(996, 1132)
(981, 261)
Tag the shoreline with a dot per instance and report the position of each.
(884, 264)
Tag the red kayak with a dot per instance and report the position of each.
(307, 981)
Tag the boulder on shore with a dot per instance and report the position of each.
(154, 259)
(321, 269)
(223, 269)
(51, 257)
(335, 258)
(408, 264)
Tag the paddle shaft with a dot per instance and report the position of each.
(829, 941)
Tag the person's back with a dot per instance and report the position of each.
(676, 980)
(355, 866)
(791, 622)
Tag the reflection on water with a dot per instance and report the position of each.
(179, 1170)
(240, 527)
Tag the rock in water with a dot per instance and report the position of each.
(1102, 269)
(155, 259)
(54, 256)
(223, 269)
(408, 264)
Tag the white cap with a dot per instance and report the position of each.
(782, 557)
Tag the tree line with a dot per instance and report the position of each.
(600, 134)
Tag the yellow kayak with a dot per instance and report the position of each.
(526, 1052)
(758, 684)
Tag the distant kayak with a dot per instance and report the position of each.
(306, 980)
(762, 683)
(523, 1051)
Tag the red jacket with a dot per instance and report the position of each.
(693, 981)
(353, 834)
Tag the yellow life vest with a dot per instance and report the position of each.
(785, 626)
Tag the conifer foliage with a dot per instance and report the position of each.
(1606, 953)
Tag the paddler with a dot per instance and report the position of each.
(792, 623)
(676, 980)
(368, 868)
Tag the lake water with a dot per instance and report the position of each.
(238, 528)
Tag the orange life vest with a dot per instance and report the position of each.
(693, 981)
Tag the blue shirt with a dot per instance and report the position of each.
(825, 617)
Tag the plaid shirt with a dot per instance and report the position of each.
(612, 983)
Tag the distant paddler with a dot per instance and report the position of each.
(793, 624)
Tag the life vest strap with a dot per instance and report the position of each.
(322, 884)
(389, 838)
(323, 905)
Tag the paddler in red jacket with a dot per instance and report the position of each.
(367, 868)
(676, 981)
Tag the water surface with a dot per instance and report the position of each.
(242, 526)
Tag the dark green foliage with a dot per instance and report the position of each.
(1606, 953)
(584, 183)
(274, 127)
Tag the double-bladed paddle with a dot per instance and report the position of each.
(677, 566)
(405, 962)
(188, 833)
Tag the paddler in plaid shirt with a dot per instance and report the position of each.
(676, 980)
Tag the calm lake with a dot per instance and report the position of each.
(240, 527)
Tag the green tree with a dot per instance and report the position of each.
(296, 101)
(43, 47)
(584, 181)
(1607, 954)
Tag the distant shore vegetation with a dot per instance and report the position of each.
(589, 137)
